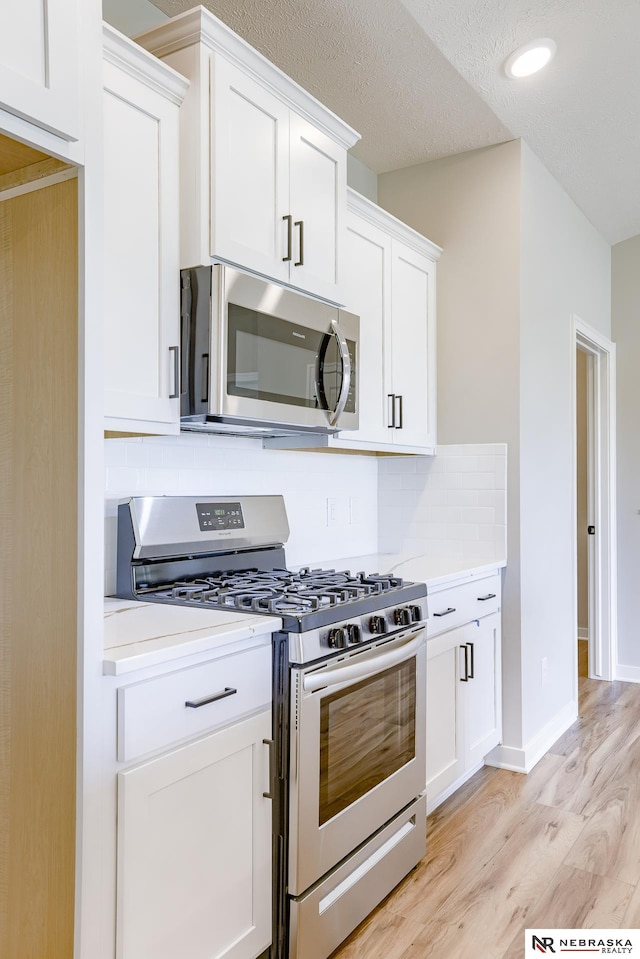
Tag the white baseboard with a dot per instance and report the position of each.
(449, 791)
(628, 674)
(583, 633)
(522, 760)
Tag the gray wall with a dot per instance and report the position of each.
(626, 333)
(519, 259)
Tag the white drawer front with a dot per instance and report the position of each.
(463, 603)
(153, 714)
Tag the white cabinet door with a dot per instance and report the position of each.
(141, 294)
(482, 692)
(250, 173)
(194, 849)
(318, 205)
(445, 737)
(411, 340)
(39, 64)
(368, 294)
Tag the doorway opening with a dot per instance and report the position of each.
(594, 503)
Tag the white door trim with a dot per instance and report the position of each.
(603, 583)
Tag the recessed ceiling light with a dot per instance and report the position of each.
(529, 58)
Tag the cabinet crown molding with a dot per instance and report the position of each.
(200, 26)
(142, 65)
(379, 217)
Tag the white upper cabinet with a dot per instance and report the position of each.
(141, 215)
(263, 164)
(39, 64)
(390, 284)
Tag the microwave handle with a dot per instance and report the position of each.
(346, 373)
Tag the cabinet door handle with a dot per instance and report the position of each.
(472, 670)
(213, 698)
(300, 225)
(205, 378)
(176, 372)
(391, 410)
(465, 678)
(398, 425)
(289, 220)
(483, 599)
(445, 612)
(269, 744)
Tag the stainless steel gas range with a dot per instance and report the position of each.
(349, 674)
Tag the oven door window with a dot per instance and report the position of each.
(280, 362)
(367, 733)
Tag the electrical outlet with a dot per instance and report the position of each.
(544, 671)
(338, 512)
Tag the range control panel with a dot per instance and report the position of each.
(215, 516)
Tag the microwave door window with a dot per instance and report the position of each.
(271, 359)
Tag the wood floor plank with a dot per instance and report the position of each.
(474, 835)
(485, 912)
(384, 935)
(631, 918)
(577, 784)
(576, 899)
(610, 842)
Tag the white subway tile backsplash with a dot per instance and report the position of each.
(461, 464)
(452, 506)
(459, 514)
(478, 481)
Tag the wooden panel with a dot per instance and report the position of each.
(15, 156)
(38, 591)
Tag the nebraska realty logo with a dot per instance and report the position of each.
(582, 942)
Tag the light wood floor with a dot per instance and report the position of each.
(557, 848)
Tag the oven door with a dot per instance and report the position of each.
(358, 730)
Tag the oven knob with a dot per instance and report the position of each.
(338, 638)
(402, 617)
(416, 614)
(353, 632)
(378, 624)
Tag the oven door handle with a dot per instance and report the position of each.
(345, 675)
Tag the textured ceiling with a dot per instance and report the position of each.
(370, 63)
(421, 79)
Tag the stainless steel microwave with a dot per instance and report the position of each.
(262, 359)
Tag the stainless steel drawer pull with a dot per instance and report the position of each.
(398, 425)
(445, 612)
(391, 415)
(269, 743)
(176, 372)
(483, 599)
(289, 219)
(300, 260)
(465, 678)
(221, 694)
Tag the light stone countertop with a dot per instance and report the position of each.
(139, 634)
(434, 572)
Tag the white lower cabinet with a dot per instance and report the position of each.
(194, 849)
(464, 703)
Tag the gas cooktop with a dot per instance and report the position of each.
(227, 554)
